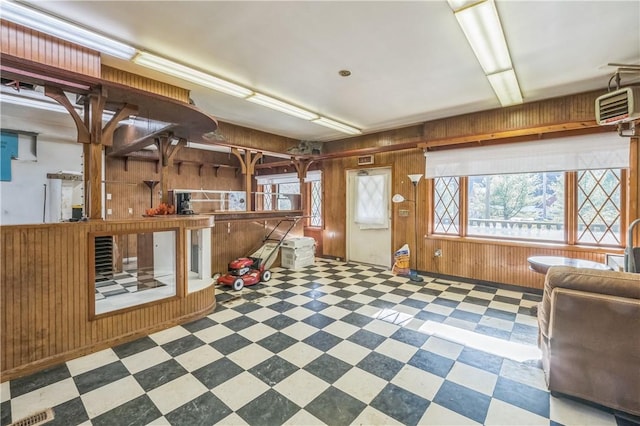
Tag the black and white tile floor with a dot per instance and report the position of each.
(332, 344)
(123, 283)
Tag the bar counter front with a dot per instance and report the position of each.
(73, 288)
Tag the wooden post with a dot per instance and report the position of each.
(302, 167)
(95, 138)
(248, 167)
(167, 155)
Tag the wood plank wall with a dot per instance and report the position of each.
(500, 261)
(255, 139)
(38, 47)
(45, 295)
(144, 83)
(125, 181)
(238, 238)
(567, 109)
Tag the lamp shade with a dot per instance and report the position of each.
(415, 178)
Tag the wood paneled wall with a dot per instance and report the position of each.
(238, 238)
(380, 139)
(484, 260)
(255, 139)
(567, 109)
(45, 296)
(144, 83)
(124, 180)
(334, 183)
(35, 46)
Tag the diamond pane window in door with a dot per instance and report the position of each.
(599, 197)
(316, 203)
(371, 201)
(446, 208)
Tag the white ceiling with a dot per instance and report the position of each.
(410, 61)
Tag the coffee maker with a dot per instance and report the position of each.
(183, 203)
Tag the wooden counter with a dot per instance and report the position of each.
(46, 292)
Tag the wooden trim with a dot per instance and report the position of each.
(571, 207)
(624, 201)
(463, 209)
(633, 203)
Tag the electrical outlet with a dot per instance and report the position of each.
(109, 211)
(130, 210)
(108, 196)
(437, 253)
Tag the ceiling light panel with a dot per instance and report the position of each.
(481, 25)
(31, 18)
(332, 124)
(186, 73)
(506, 87)
(281, 106)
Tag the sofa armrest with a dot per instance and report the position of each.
(594, 348)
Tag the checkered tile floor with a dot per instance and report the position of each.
(123, 283)
(332, 344)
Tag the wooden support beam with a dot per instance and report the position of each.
(110, 127)
(140, 143)
(243, 166)
(58, 95)
(93, 157)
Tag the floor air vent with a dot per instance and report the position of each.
(36, 419)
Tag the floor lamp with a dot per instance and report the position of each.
(397, 198)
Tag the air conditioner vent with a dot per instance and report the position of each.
(618, 106)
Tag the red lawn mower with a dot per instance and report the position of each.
(250, 270)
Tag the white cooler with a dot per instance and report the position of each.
(298, 252)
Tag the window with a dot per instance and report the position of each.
(288, 196)
(133, 269)
(599, 207)
(446, 205)
(532, 206)
(283, 192)
(316, 203)
(267, 194)
(524, 206)
(567, 189)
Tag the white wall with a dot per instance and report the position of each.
(22, 199)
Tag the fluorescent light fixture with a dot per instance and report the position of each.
(47, 24)
(481, 25)
(186, 73)
(327, 122)
(278, 105)
(32, 102)
(216, 148)
(26, 99)
(505, 85)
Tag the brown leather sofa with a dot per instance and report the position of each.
(589, 334)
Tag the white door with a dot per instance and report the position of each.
(369, 216)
